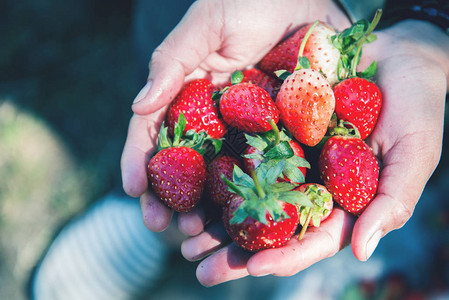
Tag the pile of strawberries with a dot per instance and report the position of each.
(241, 146)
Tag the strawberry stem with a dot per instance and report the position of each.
(359, 45)
(231, 185)
(306, 224)
(342, 130)
(277, 134)
(306, 37)
(257, 185)
(300, 63)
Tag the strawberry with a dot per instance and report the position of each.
(306, 103)
(323, 206)
(319, 49)
(358, 101)
(217, 189)
(177, 176)
(262, 213)
(177, 172)
(350, 172)
(269, 83)
(248, 107)
(195, 102)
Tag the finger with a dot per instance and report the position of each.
(401, 183)
(140, 144)
(318, 243)
(192, 223)
(180, 53)
(156, 216)
(226, 264)
(198, 247)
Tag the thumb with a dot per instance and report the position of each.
(182, 51)
(402, 180)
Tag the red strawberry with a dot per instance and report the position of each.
(320, 51)
(262, 213)
(195, 102)
(177, 176)
(350, 172)
(217, 189)
(177, 172)
(269, 83)
(253, 235)
(306, 103)
(358, 101)
(248, 107)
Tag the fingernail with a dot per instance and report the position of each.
(372, 243)
(262, 275)
(143, 92)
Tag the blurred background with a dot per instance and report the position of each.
(68, 74)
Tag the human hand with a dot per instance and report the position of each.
(413, 69)
(213, 39)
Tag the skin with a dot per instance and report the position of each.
(413, 75)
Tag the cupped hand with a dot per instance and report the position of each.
(213, 39)
(413, 73)
(413, 69)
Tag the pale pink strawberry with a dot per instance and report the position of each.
(306, 103)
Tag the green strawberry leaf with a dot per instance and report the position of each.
(236, 77)
(241, 178)
(299, 161)
(282, 187)
(231, 186)
(240, 214)
(296, 198)
(350, 42)
(179, 129)
(267, 173)
(254, 156)
(303, 63)
(293, 173)
(216, 95)
(257, 212)
(248, 193)
(316, 220)
(282, 74)
(163, 140)
(217, 143)
(256, 141)
(371, 38)
(280, 151)
(368, 72)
